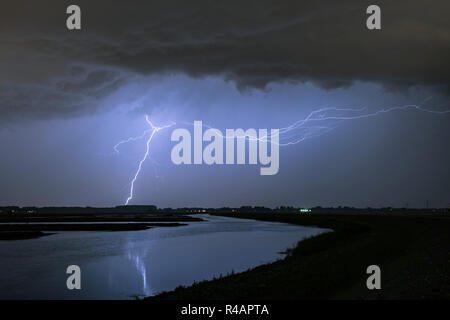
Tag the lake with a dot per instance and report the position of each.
(129, 264)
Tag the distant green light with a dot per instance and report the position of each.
(305, 210)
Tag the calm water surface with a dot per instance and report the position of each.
(122, 265)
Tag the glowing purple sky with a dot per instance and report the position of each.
(389, 160)
(66, 98)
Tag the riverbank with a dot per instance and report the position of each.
(99, 218)
(413, 253)
(22, 235)
(30, 231)
(34, 226)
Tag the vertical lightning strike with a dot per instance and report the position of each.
(153, 130)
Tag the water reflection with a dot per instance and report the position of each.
(138, 257)
(123, 265)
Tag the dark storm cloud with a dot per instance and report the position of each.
(76, 93)
(251, 43)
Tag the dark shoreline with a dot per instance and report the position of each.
(412, 252)
(30, 231)
(17, 228)
(100, 219)
(85, 226)
(22, 235)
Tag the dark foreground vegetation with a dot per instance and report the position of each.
(413, 253)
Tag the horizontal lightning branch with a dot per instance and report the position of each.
(317, 123)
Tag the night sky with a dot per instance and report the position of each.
(67, 97)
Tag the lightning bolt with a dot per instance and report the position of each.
(153, 130)
(292, 134)
(302, 130)
(323, 115)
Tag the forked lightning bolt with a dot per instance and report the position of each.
(317, 123)
(153, 130)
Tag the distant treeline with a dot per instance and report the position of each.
(151, 209)
(78, 210)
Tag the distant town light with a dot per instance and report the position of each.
(305, 210)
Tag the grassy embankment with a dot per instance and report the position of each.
(413, 253)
